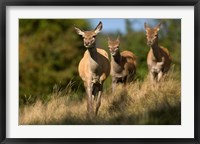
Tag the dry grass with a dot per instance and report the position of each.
(137, 103)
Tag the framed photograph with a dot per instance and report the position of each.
(99, 71)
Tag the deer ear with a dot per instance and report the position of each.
(146, 26)
(118, 40)
(158, 26)
(78, 31)
(98, 28)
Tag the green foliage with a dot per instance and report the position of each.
(49, 52)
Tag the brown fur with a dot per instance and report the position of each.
(156, 53)
(93, 68)
(102, 70)
(123, 64)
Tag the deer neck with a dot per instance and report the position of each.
(117, 65)
(117, 58)
(93, 60)
(116, 61)
(93, 53)
(156, 53)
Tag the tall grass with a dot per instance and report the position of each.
(138, 103)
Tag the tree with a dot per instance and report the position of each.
(49, 52)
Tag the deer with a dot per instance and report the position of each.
(93, 68)
(158, 58)
(123, 64)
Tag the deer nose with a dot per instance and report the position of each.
(112, 52)
(149, 42)
(87, 43)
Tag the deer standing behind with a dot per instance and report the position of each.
(93, 68)
(123, 64)
(158, 58)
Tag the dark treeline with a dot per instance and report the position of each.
(50, 50)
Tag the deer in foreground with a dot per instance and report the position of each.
(158, 58)
(93, 68)
(123, 64)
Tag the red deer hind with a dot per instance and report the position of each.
(93, 68)
(158, 58)
(123, 65)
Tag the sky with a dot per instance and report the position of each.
(118, 24)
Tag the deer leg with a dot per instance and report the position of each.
(95, 90)
(160, 75)
(125, 80)
(152, 77)
(98, 103)
(132, 76)
(114, 82)
(90, 101)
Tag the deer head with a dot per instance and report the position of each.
(113, 46)
(89, 36)
(152, 34)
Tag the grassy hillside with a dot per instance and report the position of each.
(52, 92)
(137, 103)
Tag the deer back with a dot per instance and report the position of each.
(129, 60)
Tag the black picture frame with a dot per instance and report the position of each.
(5, 3)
